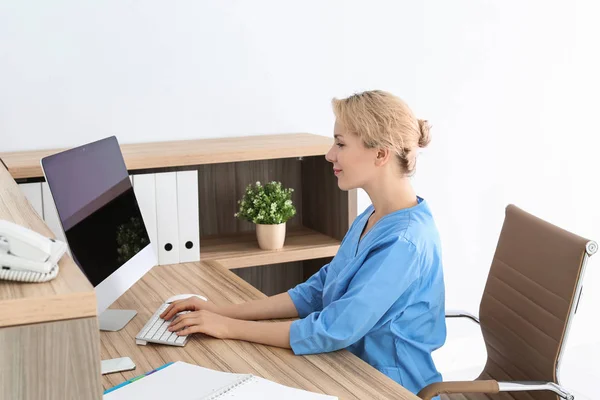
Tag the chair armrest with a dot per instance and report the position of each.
(525, 386)
(435, 389)
(491, 387)
(461, 314)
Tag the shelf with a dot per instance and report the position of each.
(140, 156)
(241, 250)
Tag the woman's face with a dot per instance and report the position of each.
(353, 163)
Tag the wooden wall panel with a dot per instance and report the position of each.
(327, 208)
(222, 185)
(310, 267)
(273, 279)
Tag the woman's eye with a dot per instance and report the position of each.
(340, 145)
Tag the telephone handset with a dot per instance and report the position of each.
(26, 255)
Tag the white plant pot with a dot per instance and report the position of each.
(270, 236)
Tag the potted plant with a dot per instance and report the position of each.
(268, 206)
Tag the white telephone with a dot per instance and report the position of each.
(26, 255)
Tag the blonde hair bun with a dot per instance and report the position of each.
(424, 128)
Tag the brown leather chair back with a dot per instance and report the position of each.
(527, 301)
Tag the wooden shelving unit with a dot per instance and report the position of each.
(240, 250)
(139, 156)
(225, 167)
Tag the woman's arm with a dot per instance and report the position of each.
(307, 297)
(219, 326)
(272, 334)
(275, 307)
(237, 321)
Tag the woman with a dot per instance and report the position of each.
(382, 295)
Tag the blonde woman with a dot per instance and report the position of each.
(382, 295)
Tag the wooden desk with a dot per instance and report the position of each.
(48, 331)
(339, 373)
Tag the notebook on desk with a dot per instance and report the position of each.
(184, 381)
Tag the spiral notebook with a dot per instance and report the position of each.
(184, 381)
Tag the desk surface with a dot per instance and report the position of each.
(340, 373)
(69, 295)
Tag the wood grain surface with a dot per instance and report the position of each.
(26, 164)
(338, 373)
(69, 295)
(241, 250)
(57, 360)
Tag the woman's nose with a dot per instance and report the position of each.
(330, 156)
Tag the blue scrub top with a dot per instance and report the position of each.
(382, 298)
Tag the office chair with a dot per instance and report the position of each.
(526, 310)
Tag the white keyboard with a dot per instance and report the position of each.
(155, 330)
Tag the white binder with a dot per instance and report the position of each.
(144, 187)
(50, 214)
(187, 213)
(166, 218)
(33, 193)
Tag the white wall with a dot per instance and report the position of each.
(510, 88)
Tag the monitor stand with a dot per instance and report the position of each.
(115, 320)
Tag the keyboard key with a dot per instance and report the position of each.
(166, 335)
(147, 328)
(171, 337)
(160, 331)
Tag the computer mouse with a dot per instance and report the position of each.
(183, 297)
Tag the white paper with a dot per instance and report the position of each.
(259, 389)
(33, 193)
(182, 381)
(50, 214)
(178, 381)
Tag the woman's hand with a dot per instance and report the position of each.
(190, 304)
(202, 321)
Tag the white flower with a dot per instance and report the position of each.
(257, 183)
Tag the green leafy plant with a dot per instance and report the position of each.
(266, 204)
(131, 239)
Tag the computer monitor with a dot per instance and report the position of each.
(101, 220)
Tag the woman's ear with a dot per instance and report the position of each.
(382, 157)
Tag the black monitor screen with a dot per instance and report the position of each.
(96, 206)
